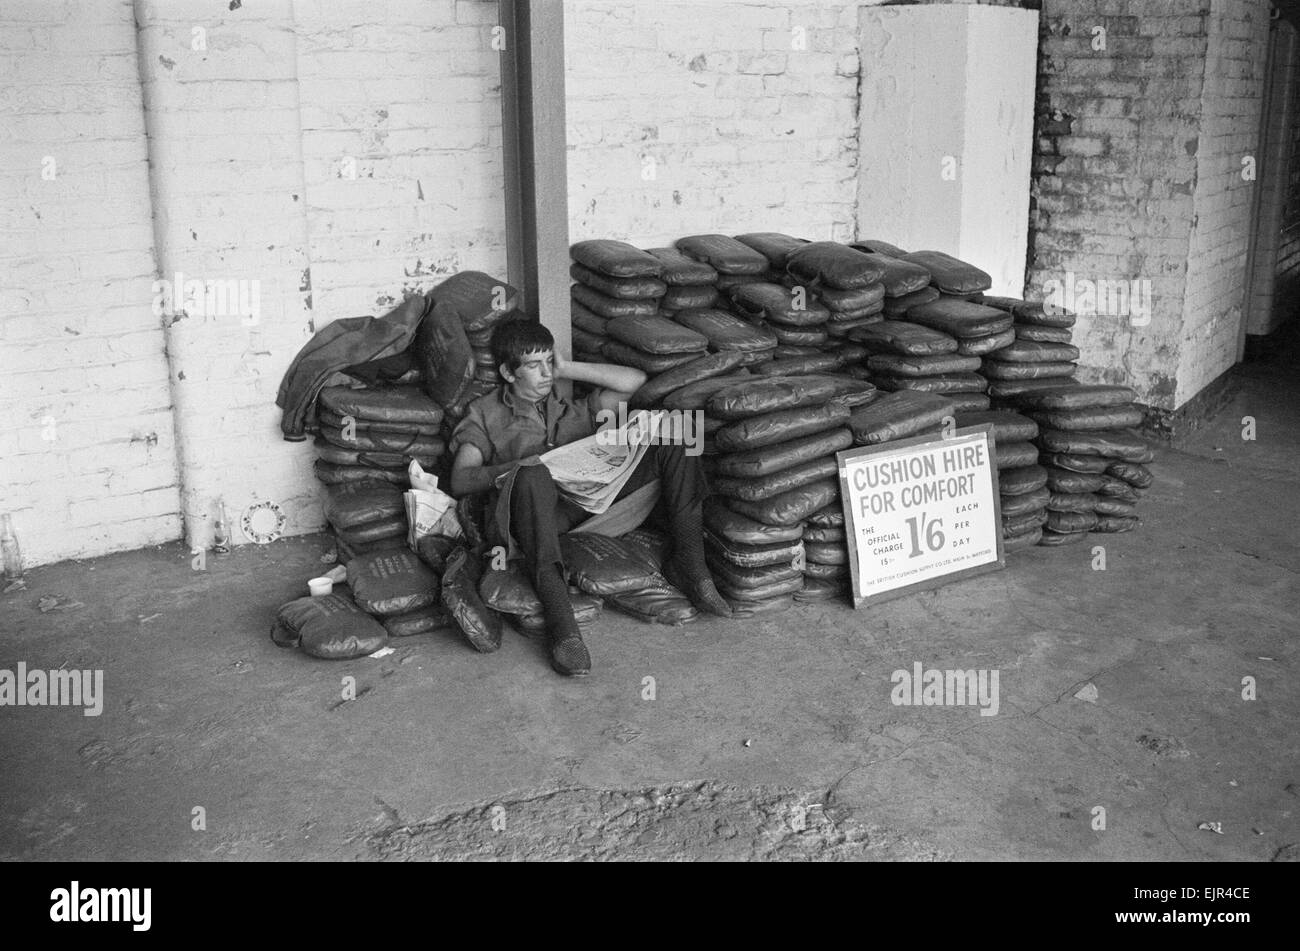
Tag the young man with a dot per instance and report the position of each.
(503, 434)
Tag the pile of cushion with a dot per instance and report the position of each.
(1095, 464)
(772, 466)
(910, 356)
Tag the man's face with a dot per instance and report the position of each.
(534, 378)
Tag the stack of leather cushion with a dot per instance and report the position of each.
(1095, 464)
(615, 279)
(1038, 354)
(656, 344)
(826, 555)
(690, 283)
(907, 283)
(772, 466)
(371, 435)
(1021, 481)
(849, 283)
(365, 517)
(793, 316)
(909, 356)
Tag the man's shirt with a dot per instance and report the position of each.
(504, 428)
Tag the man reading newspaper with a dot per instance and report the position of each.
(497, 448)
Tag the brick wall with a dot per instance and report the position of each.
(87, 454)
(1137, 177)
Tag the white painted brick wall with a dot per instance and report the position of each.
(89, 456)
(746, 132)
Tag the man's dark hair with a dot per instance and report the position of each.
(515, 339)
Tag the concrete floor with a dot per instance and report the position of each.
(767, 739)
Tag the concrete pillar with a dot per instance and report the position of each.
(1274, 178)
(946, 132)
(226, 176)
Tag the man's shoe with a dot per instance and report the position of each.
(569, 656)
(701, 590)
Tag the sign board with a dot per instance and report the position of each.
(921, 512)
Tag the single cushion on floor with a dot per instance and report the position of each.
(332, 627)
(601, 565)
(460, 580)
(657, 603)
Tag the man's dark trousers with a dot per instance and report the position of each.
(539, 514)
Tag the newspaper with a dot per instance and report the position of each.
(429, 510)
(592, 471)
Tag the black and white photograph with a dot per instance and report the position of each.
(650, 431)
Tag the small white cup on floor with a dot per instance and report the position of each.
(321, 587)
